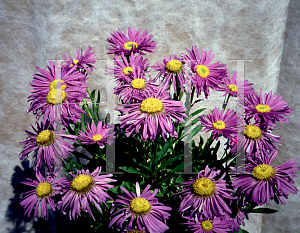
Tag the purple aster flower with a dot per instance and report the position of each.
(238, 214)
(86, 188)
(136, 43)
(142, 207)
(45, 190)
(206, 196)
(48, 144)
(72, 88)
(152, 114)
(220, 123)
(84, 61)
(171, 68)
(234, 87)
(260, 182)
(204, 74)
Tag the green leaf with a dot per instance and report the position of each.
(179, 180)
(92, 95)
(194, 114)
(132, 170)
(163, 151)
(168, 162)
(134, 160)
(264, 211)
(193, 133)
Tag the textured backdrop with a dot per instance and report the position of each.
(31, 32)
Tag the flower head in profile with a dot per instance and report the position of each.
(43, 193)
(260, 182)
(238, 214)
(143, 209)
(48, 144)
(204, 74)
(86, 188)
(135, 42)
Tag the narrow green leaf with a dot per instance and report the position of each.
(194, 114)
(134, 160)
(264, 211)
(163, 151)
(193, 133)
(132, 170)
(168, 162)
(93, 95)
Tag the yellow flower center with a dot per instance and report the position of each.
(45, 138)
(263, 172)
(82, 183)
(138, 83)
(202, 70)
(204, 187)
(54, 83)
(129, 45)
(51, 96)
(97, 137)
(174, 66)
(252, 132)
(263, 108)
(44, 189)
(140, 205)
(219, 125)
(127, 69)
(206, 225)
(151, 105)
(232, 87)
(74, 62)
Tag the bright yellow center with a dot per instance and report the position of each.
(263, 108)
(129, 45)
(202, 70)
(140, 205)
(138, 83)
(74, 62)
(174, 66)
(54, 83)
(44, 189)
(97, 137)
(232, 87)
(252, 132)
(45, 138)
(219, 125)
(206, 225)
(151, 105)
(263, 172)
(204, 187)
(127, 69)
(51, 96)
(82, 183)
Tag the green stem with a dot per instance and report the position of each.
(225, 104)
(88, 110)
(192, 95)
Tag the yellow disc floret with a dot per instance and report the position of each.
(138, 83)
(206, 225)
(202, 70)
(219, 125)
(74, 62)
(44, 189)
(263, 172)
(204, 187)
(151, 105)
(263, 108)
(53, 93)
(54, 84)
(129, 45)
(174, 66)
(82, 183)
(45, 138)
(232, 87)
(97, 137)
(127, 69)
(252, 132)
(140, 205)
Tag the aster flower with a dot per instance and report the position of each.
(72, 88)
(136, 43)
(48, 144)
(171, 68)
(205, 196)
(152, 114)
(204, 74)
(260, 182)
(45, 190)
(235, 87)
(84, 61)
(142, 207)
(238, 214)
(86, 188)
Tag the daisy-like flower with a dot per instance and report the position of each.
(235, 87)
(72, 89)
(270, 108)
(45, 190)
(136, 43)
(135, 85)
(206, 196)
(86, 188)
(152, 114)
(220, 123)
(238, 214)
(48, 144)
(260, 182)
(84, 61)
(171, 68)
(204, 74)
(142, 208)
